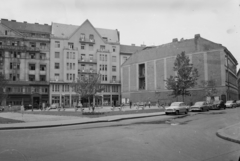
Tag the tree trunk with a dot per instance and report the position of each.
(94, 103)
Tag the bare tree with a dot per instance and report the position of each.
(88, 86)
(209, 87)
(3, 83)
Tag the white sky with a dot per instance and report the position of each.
(152, 22)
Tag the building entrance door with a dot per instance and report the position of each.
(36, 101)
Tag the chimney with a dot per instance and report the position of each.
(13, 20)
(133, 44)
(4, 19)
(143, 45)
(46, 24)
(25, 22)
(36, 23)
(197, 36)
(175, 40)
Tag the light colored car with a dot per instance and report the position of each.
(177, 108)
(200, 106)
(231, 104)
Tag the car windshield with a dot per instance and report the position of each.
(229, 101)
(176, 103)
(199, 103)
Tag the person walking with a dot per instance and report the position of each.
(149, 104)
(130, 104)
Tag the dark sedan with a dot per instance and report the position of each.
(219, 105)
(200, 106)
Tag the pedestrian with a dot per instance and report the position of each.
(149, 104)
(130, 103)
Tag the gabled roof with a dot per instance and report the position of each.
(130, 49)
(63, 30)
(173, 49)
(112, 35)
(21, 26)
(66, 31)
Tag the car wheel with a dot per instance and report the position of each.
(186, 112)
(201, 109)
(177, 112)
(166, 113)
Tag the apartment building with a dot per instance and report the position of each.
(143, 74)
(78, 51)
(24, 60)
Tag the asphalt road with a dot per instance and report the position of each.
(191, 138)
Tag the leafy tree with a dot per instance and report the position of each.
(3, 83)
(88, 86)
(209, 87)
(185, 78)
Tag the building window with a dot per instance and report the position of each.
(73, 66)
(43, 45)
(31, 77)
(73, 55)
(57, 55)
(83, 46)
(105, 77)
(114, 78)
(102, 47)
(70, 45)
(114, 48)
(56, 76)
(82, 57)
(114, 68)
(114, 59)
(105, 67)
(32, 55)
(6, 32)
(90, 47)
(70, 66)
(67, 76)
(141, 68)
(42, 56)
(57, 44)
(105, 57)
(32, 67)
(82, 37)
(91, 58)
(91, 38)
(114, 88)
(11, 65)
(57, 66)
(56, 88)
(105, 39)
(32, 44)
(42, 67)
(42, 77)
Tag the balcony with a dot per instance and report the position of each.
(35, 49)
(87, 41)
(10, 47)
(90, 61)
(87, 71)
(67, 48)
(103, 51)
(17, 60)
(115, 81)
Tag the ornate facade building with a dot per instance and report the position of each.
(24, 60)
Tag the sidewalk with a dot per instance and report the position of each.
(44, 121)
(230, 133)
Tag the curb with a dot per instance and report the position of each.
(225, 137)
(71, 124)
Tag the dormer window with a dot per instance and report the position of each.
(91, 38)
(105, 39)
(6, 32)
(70, 45)
(82, 37)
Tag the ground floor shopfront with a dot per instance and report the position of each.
(69, 100)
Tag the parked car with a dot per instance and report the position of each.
(219, 105)
(238, 103)
(1, 108)
(210, 105)
(177, 108)
(231, 104)
(199, 106)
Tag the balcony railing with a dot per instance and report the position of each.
(115, 81)
(68, 48)
(103, 50)
(85, 40)
(87, 71)
(9, 47)
(87, 60)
